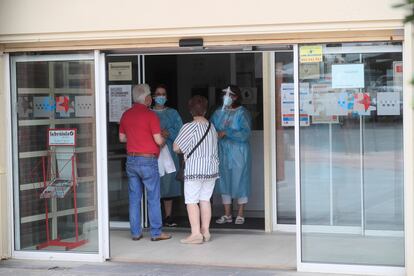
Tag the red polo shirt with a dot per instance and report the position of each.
(139, 124)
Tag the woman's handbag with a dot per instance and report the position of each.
(181, 167)
(180, 172)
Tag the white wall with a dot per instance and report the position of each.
(30, 19)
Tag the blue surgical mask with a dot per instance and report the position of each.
(227, 100)
(160, 100)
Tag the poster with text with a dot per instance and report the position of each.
(120, 71)
(119, 101)
(288, 106)
(348, 76)
(310, 53)
(84, 106)
(388, 103)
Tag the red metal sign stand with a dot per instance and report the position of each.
(68, 245)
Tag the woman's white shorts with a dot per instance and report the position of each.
(196, 190)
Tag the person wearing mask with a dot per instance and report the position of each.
(140, 130)
(233, 124)
(171, 124)
(197, 140)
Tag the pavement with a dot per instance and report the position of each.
(49, 268)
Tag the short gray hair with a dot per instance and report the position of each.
(140, 92)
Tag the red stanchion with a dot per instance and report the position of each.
(57, 188)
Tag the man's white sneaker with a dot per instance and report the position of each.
(239, 220)
(224, 219)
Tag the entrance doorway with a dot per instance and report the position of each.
(186, 75)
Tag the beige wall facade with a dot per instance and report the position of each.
(48, 16)
(47, 25)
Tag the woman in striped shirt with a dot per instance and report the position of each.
(201, 168)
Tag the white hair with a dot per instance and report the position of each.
(140, 92)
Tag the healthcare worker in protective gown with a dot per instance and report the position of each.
(233, 124)
(171, 124)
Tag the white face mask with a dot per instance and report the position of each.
(227, 100)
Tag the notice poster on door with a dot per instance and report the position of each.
(308, 71)
(288, 104)
(119, 101)
(64, 106)
(61, 137)
(84, 106)
(388, 103)
(348, 76)
(120, 71)
(43, 106)
(363, 104)
(310, 53)
(325, 105)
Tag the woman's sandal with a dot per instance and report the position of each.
(193, 240)
(239, 220)
(206, 237)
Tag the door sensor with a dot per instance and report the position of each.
(191, 42)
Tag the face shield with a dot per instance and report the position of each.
(227, 99)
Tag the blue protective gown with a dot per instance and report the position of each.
(171, 121)
(234, 151)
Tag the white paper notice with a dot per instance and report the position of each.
(119, 101)
(348, 76)
(84, 106)
(337, 104)
(43, 106)
(288, 107)
(388, 103)
(120, 71)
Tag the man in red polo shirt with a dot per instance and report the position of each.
(140, 129)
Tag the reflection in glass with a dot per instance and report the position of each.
(351, 156)
(285, 140)
(54, 94)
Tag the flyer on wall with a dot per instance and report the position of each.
(119, 101)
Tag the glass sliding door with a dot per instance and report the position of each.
(351, 154)
(285, 138)
(118, 84)
(55, 188)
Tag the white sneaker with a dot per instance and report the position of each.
(239, 220)
(224, 219)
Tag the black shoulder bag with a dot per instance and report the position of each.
(180, 173)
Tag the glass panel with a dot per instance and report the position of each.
(55, 94)
(117, 178)
(351, 154)
(285, 139)
(383, 143)
(187, 75)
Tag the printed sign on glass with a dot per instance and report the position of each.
(348, 76)
(120, 71)
(310, 53)
(288, 106)
(119, 101)
(62, 137)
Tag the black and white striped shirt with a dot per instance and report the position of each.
(203, 164)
